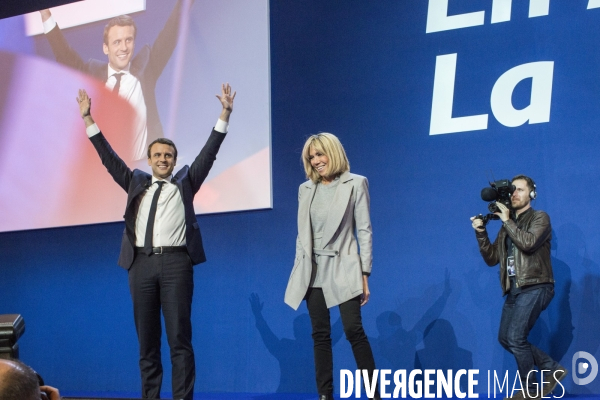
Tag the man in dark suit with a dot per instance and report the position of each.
(160, 245)
(133, 78)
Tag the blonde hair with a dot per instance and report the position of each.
(331, 146)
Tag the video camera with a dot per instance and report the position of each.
(499, 191)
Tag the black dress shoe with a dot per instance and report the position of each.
(325, 397)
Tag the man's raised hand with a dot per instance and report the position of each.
(85, 107)
(226, 99)
(85, 103)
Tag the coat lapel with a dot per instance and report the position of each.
(176, 180)
(304, 227)
(337, 208)
(143, 185)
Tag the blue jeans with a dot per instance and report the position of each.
(519, 314)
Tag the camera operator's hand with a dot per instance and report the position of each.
(504, 212)
(50, 393)
(477, 224)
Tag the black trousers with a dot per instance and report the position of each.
(321, 325)
(164, 281)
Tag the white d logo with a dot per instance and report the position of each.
(583, 367)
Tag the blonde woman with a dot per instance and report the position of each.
(328, 269)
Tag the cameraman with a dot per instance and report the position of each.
(19, 382)
(523, 250)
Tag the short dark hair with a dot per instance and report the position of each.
(19, 383)
(121, 20)
(530, 182)
(163, 141)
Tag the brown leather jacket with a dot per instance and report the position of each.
(531, 235)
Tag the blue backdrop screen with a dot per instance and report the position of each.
(431, 99)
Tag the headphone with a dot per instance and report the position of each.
(533, 193)
(530, 183)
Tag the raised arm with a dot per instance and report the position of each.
(226, 99)
(46, 14)
(63, 52)
(204, 161)
(85, 107)
(113, 163)
(271, 341)
(164, 45)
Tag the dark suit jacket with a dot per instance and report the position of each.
(188, 180)
(147, 65)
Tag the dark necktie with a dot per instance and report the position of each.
(118, 84)
(151, 217)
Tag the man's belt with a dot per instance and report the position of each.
(163, 249)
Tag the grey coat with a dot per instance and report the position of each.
(343, 266)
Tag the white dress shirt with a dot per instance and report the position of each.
(131, 90)
(169, 223)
